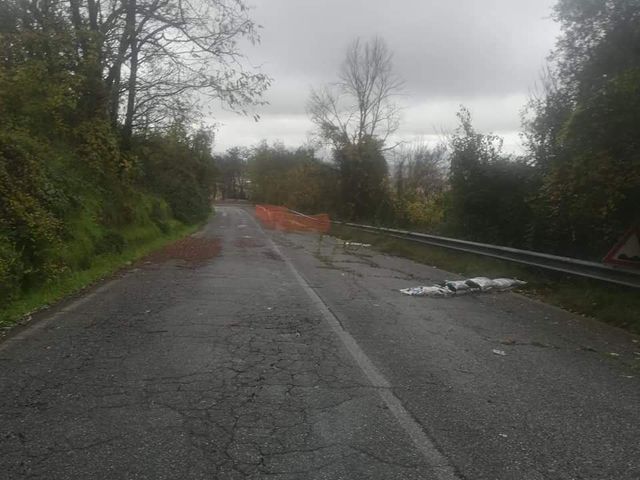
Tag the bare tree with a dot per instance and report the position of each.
(151, 58)
(361, 104)
(420, 169)
(232, 173)
(184, 48)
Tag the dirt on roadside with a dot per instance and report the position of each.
(193, 251)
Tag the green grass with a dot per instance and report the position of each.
(613, 304)
(141, 240)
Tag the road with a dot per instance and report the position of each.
(292, 356)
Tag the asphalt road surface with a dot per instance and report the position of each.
(292, 356)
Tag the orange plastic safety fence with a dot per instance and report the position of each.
(281, 218)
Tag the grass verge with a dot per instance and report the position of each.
(613, 304)
(141, 241)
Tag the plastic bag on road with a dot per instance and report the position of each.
(434, 291)
(482, 283)
(460, 287)
(485, 284)
(356, 244)
(507, 283)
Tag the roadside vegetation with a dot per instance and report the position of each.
(101, 267)
(102, 157)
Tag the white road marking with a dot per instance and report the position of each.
(42, 323)
(442, 468)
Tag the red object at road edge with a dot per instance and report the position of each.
(281, 218)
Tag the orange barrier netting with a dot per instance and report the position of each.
(281, 218)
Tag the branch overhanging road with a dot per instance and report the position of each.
(291, 356)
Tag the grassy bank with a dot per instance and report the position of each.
(140, 241)
(614, 304)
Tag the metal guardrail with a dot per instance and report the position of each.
(573, 266)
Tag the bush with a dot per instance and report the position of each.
(490, 191)
(27, 207)
(63, 203)
(11, 269)
(110, 242)
(179, 169)
(424, 213)
(363, 180)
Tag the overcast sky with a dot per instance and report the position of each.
(485, 54)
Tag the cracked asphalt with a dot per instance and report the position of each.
(293, 356)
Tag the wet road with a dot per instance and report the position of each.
(291, 356)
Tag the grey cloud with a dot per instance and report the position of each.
(479, 52)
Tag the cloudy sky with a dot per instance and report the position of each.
(484, 54)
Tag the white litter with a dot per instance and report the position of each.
(506, 283)
(460, 287)
(356, 244)
(427, 291)
(502, 353)
(483, 283)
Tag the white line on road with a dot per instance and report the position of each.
(442, 468)
(42, 323)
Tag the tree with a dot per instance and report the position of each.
(173, 50)
(295, 178)
(363, 174)
(420, 182)
(489, 190)
(599, 41)
(360, 105)
(179, 166)
(421, 169)
(355, 116)
(584, 131)
(232, 173)
(138, 62)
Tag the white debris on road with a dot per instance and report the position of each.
(428, 291)
(460, 287)
(356, 244)
(457, 286)
(484, 283)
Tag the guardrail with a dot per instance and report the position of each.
(573, 266)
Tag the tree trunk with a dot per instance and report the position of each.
(131, 96)
(115, 72)
(133, 74)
